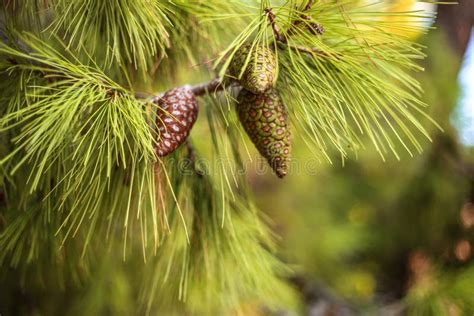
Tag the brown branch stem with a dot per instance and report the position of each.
(212, 86)
(276, 30)
(283, 39)
(308, 7)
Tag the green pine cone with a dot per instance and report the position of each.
(265, 120)
(261, 71)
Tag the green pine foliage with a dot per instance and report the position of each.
(135, 31)
(82, 188)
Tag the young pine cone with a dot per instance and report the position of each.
(261, 71)
(175, 120)
(265, 120)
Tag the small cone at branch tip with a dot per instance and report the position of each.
(261, 71)
(265, 120)
(179, 111)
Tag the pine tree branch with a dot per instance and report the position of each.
(301, 72)
(309, 5)
(276, 30)
(314, 28)
(214, 85)
(284, 39)
(303, 16)
(211, 86)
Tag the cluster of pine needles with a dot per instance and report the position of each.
(78, 169)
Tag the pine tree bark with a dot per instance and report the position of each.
(457, 21)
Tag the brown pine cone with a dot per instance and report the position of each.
(175, 120)
(265, 120)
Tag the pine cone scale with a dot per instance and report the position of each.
(175, 120)
(265, 121)
(260, 73)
